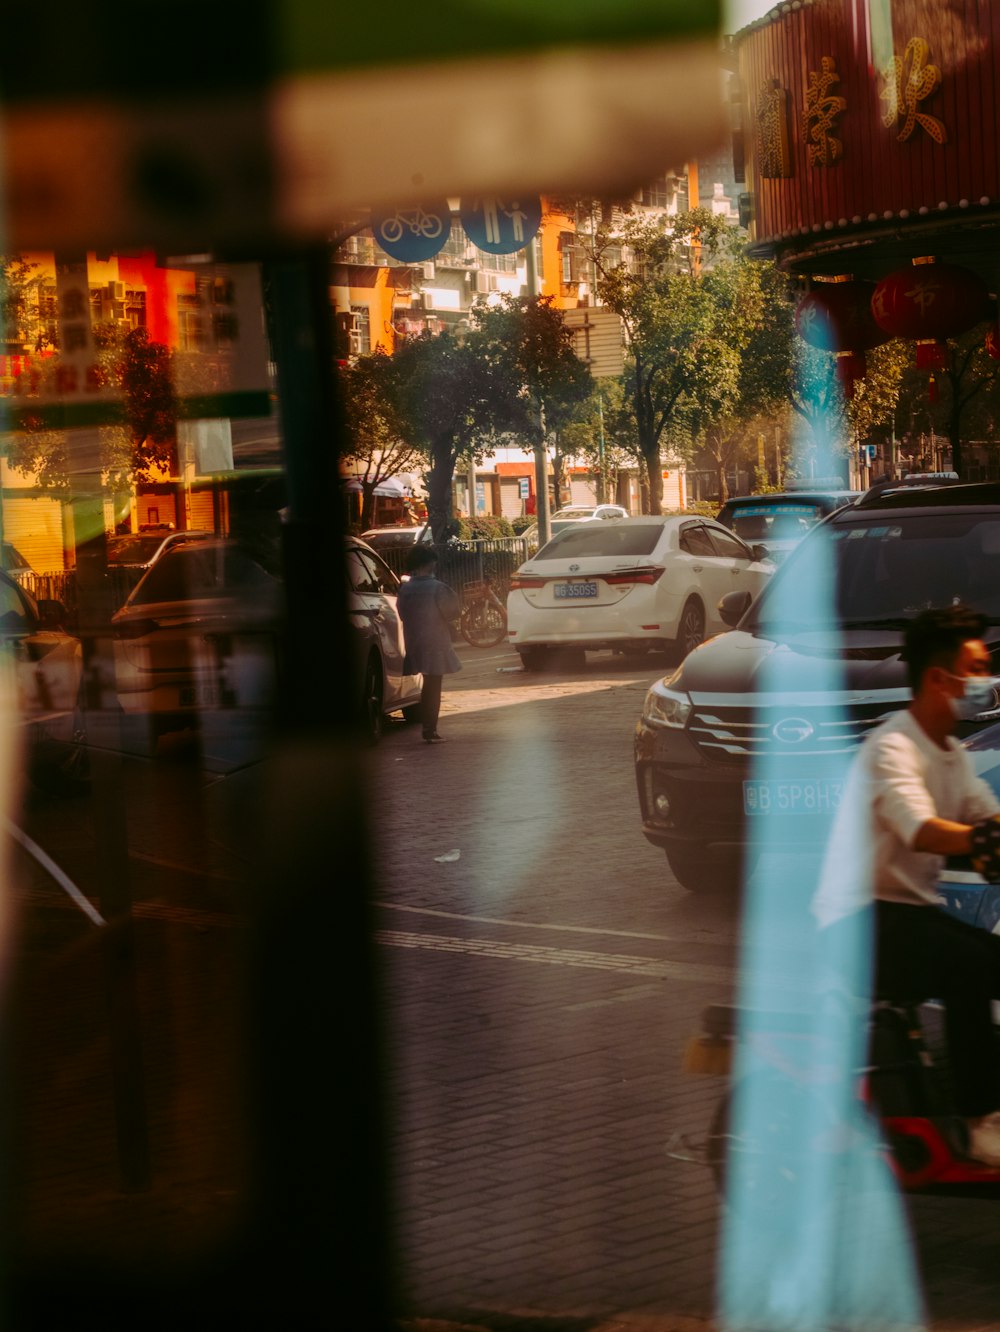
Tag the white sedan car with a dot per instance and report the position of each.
(631, 583)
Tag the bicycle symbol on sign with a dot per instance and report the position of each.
(419, 223)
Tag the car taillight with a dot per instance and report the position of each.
(649, 575)
(519, 581)
(135, 628)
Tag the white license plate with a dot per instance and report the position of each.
(573, 591)
(807, 795)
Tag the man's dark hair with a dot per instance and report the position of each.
(420, 557)
(935, 638)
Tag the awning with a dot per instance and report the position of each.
(391, 488)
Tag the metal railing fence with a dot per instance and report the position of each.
(462, 562)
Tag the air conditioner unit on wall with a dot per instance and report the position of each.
(429, 271)
(483, 282)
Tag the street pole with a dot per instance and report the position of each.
(541, 453)
(602, 489)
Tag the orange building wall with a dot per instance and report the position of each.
(554, 222)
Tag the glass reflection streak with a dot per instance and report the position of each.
(814, 1235)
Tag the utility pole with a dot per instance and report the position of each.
(602, 484)
(541, 453)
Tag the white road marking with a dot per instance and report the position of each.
(538, 925)
(504, 696)
(562, 957)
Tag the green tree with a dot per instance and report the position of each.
(753, 349)
(141, 446)
(452, 399)
(21, 314)
(553, 380)
(457, 396)
(652, 274)
(601, 435)
(836, 422)
(969, 376)
(377, 447)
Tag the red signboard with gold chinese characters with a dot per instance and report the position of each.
(890, 115)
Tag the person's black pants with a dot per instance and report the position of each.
(922, 953)
(430, 703)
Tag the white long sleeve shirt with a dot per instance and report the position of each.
(899, 779)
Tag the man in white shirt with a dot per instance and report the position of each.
(912, 799)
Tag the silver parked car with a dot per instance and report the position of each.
(199, 634)
(372, 588)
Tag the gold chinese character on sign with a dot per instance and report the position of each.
(909, 81)
(819, 119)
(773, 158)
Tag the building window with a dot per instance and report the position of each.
(191, 324)
(659, 194)
(361, 337)
(497, 263)
(457, 251)
(135, 308)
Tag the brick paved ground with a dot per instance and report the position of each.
(542, 988)
(539, 991)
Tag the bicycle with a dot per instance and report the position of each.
(484, 618)
(419, 223)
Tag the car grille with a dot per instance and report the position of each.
(726, 732)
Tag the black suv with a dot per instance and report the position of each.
(715, 754)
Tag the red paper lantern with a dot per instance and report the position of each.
(837, 317)
(929, 302)
(993, 342)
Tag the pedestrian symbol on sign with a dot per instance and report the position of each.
(501, 226)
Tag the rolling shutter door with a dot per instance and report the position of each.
(35, 528)
(201, 511)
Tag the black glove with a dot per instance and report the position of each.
(985, 853)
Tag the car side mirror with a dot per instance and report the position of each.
(760, 552)
(51, 614)
(733, 606)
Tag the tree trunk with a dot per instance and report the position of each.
(440, 481)
(558, 474)
(715, 448)
(955, 424)
(367, 505)
(643, 486)
(654, 475)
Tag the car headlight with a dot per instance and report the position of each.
(666, 707)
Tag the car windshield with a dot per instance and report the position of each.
(779, 522)
(12, 558)
(404, 536)
(883, 571)
(192, 572)
(602, 539)
(133, 549)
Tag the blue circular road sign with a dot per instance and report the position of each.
(413, 234)
(501, 226)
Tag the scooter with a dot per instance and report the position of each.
(904, 1084)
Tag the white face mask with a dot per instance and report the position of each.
(978, 697)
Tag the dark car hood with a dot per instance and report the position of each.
(740, 662)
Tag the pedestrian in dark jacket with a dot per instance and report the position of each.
(426, 608)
